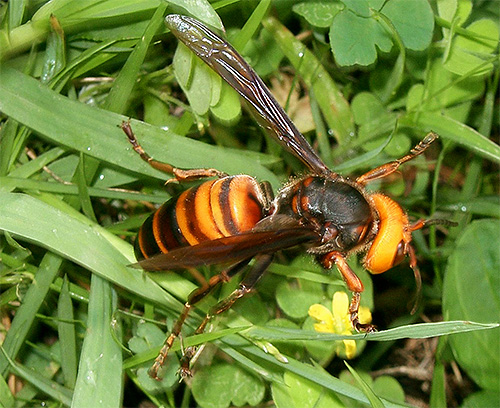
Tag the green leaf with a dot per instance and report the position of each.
(389, 388)
(183, 65)
(474, 55)
(484, 398)
(354, 39)
(454, 9)
(366, 107)
(228, 108)
(146, 336)
(297, 392)
(295, 298)
(222, 385)
(442, 90)
(471, 291)
(363, 8)
(318, 14)
(199, 88)
(413, 20)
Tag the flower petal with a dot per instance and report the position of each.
(340, 304)
(323, 328)
(320, 313)
(350, 348)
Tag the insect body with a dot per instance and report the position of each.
(234, 219)
(215, 209)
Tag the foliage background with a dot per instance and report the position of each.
(364, 80)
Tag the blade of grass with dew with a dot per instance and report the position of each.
(99, 382)
(375, 401)
(57, 231)
(414, 331)
(11, 183)
(96, 133)
(51, 388)
(33, 166)
(67, 336)
(82, 178)
(118, 97)
(75, 291)
(25, 314)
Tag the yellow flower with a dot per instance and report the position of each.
(338, 321)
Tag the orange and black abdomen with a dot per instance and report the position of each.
(214, 209)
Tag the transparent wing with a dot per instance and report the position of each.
(231, 249)
(225, 60)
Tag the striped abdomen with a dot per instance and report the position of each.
(212, 210)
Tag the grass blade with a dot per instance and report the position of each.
(100, 368)
(95, 132)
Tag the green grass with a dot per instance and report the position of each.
(370, 84)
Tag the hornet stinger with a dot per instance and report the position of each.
(233, 219)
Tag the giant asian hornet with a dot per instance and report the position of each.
(233, 219)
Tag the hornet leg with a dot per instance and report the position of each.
(353, 283)
(196, 296)
(261, 263)
(179, 174)
(389, 168)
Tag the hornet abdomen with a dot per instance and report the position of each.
(215, 209)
